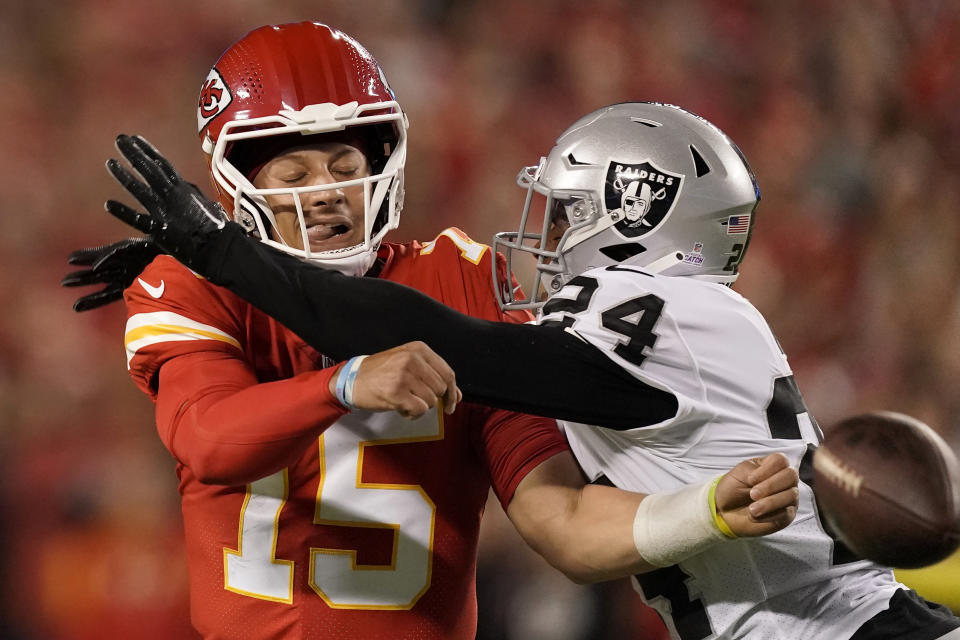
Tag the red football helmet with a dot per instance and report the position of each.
(297, 80)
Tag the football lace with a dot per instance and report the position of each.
(837, 472)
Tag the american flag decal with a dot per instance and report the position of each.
(738, 224)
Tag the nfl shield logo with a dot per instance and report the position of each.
(640, 196)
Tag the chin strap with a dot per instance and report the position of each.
(355, 265)
(724, 280)
(662, 264)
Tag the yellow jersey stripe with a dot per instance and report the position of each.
(145, 329)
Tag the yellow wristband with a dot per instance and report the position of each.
(717, 518)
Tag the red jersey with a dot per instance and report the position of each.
(303, 520)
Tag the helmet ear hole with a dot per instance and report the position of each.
(621, 252)
(381, 143)
(699, 163)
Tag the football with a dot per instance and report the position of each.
(888, 487)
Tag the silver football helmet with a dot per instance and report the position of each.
(644, 184)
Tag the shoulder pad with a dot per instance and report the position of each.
(453, 241)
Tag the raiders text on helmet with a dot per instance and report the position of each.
(645, 184)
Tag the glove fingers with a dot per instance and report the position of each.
(98, 299)
(86, 256)
(143, 193)
(81, 278)
(130, 254)
(130, 216)
(144, 164)
(151, 152)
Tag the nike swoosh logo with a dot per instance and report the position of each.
(154, 292)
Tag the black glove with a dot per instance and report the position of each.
(115, 264)
(182, 220)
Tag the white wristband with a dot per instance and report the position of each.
(671, 527)
(346, 378)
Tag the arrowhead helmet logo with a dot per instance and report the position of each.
(215, 96)
(640, 196)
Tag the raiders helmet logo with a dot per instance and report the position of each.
(639, 196)
(215, 96)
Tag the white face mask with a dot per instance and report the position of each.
(382, 191)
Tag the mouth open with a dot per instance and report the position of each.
(324, 236)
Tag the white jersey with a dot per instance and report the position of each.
(712, 350)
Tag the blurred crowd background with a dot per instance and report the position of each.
(848, 111)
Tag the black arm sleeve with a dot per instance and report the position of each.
(532, 369)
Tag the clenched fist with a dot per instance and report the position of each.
(409, 379)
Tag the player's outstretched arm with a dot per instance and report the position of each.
(343, 316)
(596, 532)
